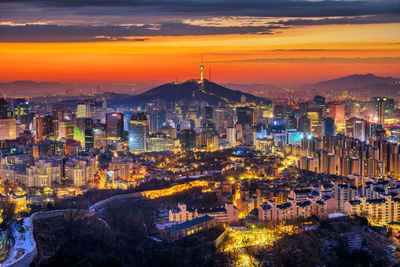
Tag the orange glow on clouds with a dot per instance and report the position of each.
(302, 54)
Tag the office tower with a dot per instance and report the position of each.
(66, 129)
(208, 114)
(168, 130)
(292, 122)
(207, 123)
(359, 130)
(231, 136)
(207, 141)
(19, 107)
(157, 142)
(304, 124)
(60, 114)
(3, 109)
(244, 117)
(115, 126)
(138, 132)
(158, 118)
(380, 104)
(8, 129)
(83, 129)
(337, 112)
(219, 118)
(127, 119)
(279, 113)
(389, 108)
(99, 135)
(328, 127)
(349, 130)
(315, 118)
(83, 110)
(44, 127)
(188, 140)
(89, 138)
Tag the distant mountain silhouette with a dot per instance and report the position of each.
(31, 88)
(356, 85)
(356, 80)
(40, 89)
(191, 91)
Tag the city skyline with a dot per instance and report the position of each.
(199, 133)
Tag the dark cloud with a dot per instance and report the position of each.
(56, 33)
(265, 8)
(341, 60)
(343, 20)
(86, 20)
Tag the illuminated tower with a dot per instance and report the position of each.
(381, 104)
(201, 72)
(138, 132)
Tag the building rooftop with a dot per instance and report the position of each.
(376, 201)
(284, 206)
(355, 202)
(304, 203)
(190, 223)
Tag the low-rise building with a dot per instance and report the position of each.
(380, 210)
(187, 228)
(80, 170)
(291, 210)
(226, 215)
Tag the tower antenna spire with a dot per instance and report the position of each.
(201, 67)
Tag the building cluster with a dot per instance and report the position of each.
(347, 145)
(190, 126)
(226, 215)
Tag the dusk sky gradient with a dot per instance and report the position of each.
(274, 42)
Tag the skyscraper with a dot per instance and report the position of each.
(304, 124)
(188, 140)
(138, 132)
(279, 113)
(245, 117)
(83, 110)
(83, 132)
(359, 129)
(157, 119)
(99, 135)
(380, 106)
(115, 126)
(66, 129)
(8, 129)
(328, 127)
(44, 127)
(231, 136)
(315, 118)
(337, 112)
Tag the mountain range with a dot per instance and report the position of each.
(191, 90)
(358, 86)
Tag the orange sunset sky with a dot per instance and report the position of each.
(282, 55)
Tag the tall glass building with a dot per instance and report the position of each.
(138, 132)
